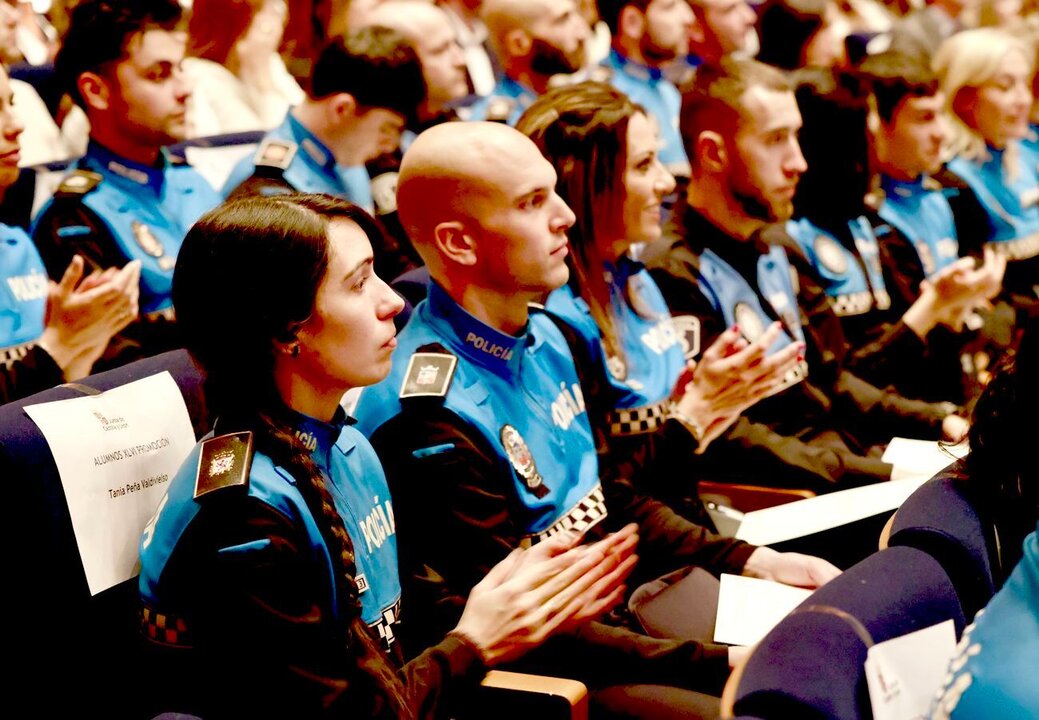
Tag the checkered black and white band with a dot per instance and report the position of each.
(853, 303)
(10, 355)
(586, 514)
(164, 629)
(861, 302)
(638, 421)
(384, 625)
(794, 375)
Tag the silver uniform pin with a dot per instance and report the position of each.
(522, 460)
(751, 325)
(831, 255)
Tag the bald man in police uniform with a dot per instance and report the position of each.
(483, 424)
(127, 199)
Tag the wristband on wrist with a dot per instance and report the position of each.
(694, 428)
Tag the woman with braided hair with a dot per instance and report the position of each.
(269, 572)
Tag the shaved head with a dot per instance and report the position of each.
(478, 201)
(545, 37)
(452, 169)
(500, 16)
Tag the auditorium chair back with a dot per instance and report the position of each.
(811, 664)
(71, 652)
(939, 519)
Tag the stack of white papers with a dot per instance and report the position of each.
(748, 608)
(920, 458)
(915, 461)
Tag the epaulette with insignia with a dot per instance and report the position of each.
(79, 182)
(384, 193)
(224, 462)
(275, 153)
(499, 109)
(429, 373)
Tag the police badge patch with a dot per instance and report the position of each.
(384, 193)
(146, 239)
(522, 461)
(687, 328)
(751, 325)
(831, 255)
(428, 375)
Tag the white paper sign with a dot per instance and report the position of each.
(812, 515)
(748, 608)
(116, 453)
(920, 458)
(904, 673)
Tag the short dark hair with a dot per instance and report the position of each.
(610, 11)
(892, 76)
(713, 100)
(833, 141)
(785, 28)
(99, 32)
(377, 65)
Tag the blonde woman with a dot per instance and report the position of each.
(986, 77)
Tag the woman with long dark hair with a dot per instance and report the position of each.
(604, 150)
(269, 572)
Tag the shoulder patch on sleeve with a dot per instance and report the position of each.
(275, 153)
(79, 182)
(224, 462)
(429, 373)
(384, 193)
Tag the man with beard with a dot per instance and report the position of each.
(721, 28)
(534, 41)
(648, 35)
(724, 263)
